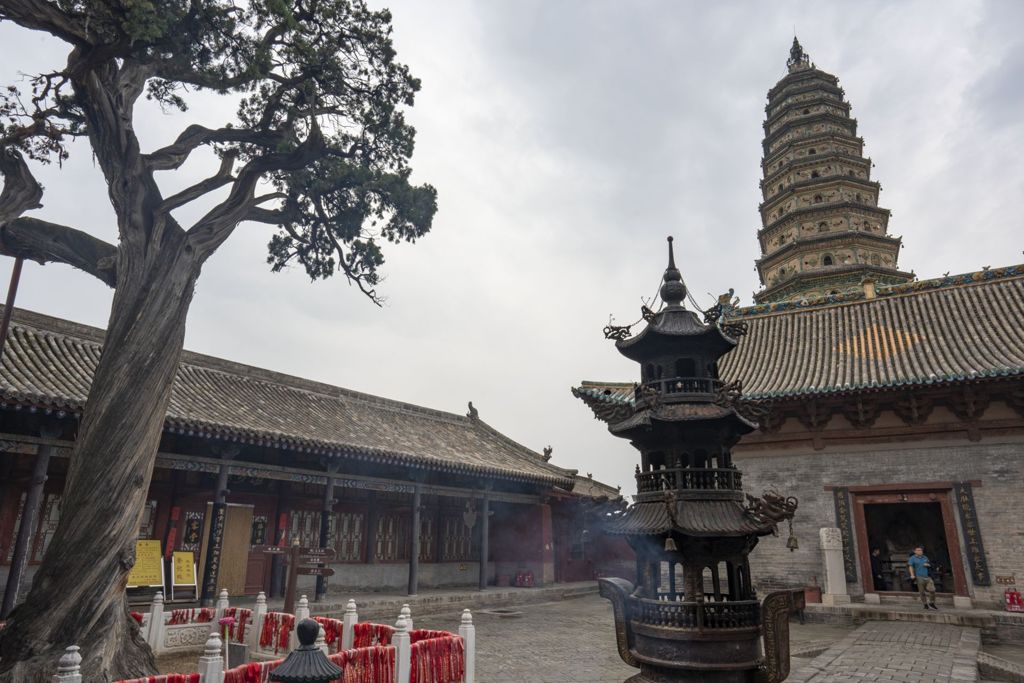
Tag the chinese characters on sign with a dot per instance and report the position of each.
(214, 546)
(845, 524)
(972, 533)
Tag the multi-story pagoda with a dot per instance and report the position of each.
(822, 229)
(693, 614)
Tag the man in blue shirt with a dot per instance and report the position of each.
(919, 566)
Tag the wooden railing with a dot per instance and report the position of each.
(689, 479)
(692, 388)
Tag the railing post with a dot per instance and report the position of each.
(154, 634)
(301, 612)
(407, 613)
(222, 604)
(403, 651)
(321, 640)
(468, 633)
(258, 613)
(69, 668)
(348, 624)
(211, 664)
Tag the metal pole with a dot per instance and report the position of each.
(12, 292)
(414, 553)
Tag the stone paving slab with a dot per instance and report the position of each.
(901, 652)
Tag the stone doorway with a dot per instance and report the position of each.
(895, 521)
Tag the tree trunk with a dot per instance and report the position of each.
(78, 595)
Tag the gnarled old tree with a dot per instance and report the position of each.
(319, 149)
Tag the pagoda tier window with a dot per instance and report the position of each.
(826, 260)
(685, 367)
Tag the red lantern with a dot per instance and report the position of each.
(1014, 602)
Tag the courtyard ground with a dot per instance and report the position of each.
(570, 641)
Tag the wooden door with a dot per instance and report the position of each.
(235, 552)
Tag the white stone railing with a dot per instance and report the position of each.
(164, 637)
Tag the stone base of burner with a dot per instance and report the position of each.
(648, 675)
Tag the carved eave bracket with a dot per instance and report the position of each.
(914, 408)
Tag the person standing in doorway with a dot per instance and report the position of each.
(877, 575)
(919, 566)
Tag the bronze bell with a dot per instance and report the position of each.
(670, 545)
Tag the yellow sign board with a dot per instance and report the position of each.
(183, 569)
(149, 565)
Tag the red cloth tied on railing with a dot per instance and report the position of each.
(332, 631)
(366, 665)
(203, 615)
(253, 672)
(438, 658)
(137, 616)
(367, 634)
(242, 616)
(277, 627)
(164, 678)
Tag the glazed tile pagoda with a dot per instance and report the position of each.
(692, 613)
(823, 232)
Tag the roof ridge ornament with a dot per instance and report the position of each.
(673, 291)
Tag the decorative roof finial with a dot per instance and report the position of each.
(673, 291)
(798, 59)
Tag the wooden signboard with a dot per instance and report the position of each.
(149, 565)
(183, 572)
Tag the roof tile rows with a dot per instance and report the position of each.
(933, 332)
(49, 362)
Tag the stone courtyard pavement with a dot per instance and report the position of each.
(572, 641)
(905, 652)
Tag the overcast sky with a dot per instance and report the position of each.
(566, 140)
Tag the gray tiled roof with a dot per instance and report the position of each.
(49, 362)
(948, 330)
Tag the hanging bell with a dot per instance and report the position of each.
(791, 542)
(670, 545)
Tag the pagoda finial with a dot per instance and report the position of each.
(798, 59)
(673, 291)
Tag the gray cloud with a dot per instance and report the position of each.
(567, 139)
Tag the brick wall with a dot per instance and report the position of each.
(997, 462)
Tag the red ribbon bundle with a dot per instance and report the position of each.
(277, 626)
(137, 616)
(332, 630)
(438, 659)
(366, 665)
(204, 615)
(367, 634)
(241, 616)
(254, 672)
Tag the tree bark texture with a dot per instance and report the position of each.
(78, 595)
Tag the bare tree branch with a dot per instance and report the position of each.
(216, 226)
(45, 16)
(21, 191)
(222, 178)
(174, 155)
(45, 242)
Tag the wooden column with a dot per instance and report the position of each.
(280, 532)
(325, 521)
(29, 522)
(485, 524)
(414, 551)
(215, 538)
